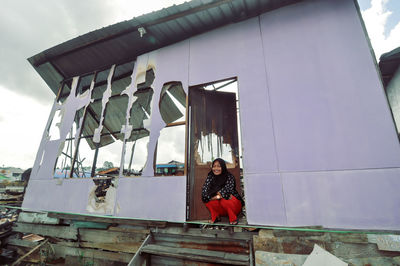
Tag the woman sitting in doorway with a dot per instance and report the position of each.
(219, 193)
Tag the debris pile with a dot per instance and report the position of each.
(12, 192)
(52, 238)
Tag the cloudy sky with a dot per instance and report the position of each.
(29, 27)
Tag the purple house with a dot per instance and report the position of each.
(287, 92)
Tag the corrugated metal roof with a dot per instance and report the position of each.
(121, 42)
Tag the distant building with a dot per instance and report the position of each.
(11, 172)
(171, 168)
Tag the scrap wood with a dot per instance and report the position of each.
(29, 253)
(33, 238)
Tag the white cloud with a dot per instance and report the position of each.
(375, 19)
(21, 128)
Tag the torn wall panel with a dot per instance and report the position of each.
(104, 101)
(275, 107)
(50, 150)
(171, 64)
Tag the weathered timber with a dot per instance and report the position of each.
(207, 233)
(127, 247)
(197, 255)
(373, 261)
(85, 224)
(89, 218)
(63, 251)
(30, 252)
(129, 230)
(73, 260)
(351, 251)
(349, 238)
(37, 218)
(386, 242)
(169, 261)
(66, 232)
(139, 259)
(300, 245)
(282, 233)
(105, 236)
(270, 258)
(196, 242)
(267, 242)
(21, 243)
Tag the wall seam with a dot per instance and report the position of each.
(271, 116)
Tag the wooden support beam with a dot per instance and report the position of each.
(196, 254)
(66, 232)
(29, 253)
(106, 236)
(37, 218)
(64, 249)
(67, 216)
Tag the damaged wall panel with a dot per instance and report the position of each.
(172, 64)
(310, 121)
(49, 150)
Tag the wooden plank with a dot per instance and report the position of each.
(200, 240)
(73, 260)
(66, 232)
(63, 251)
(21, 243)
(127, 247)
(30, 252)
(129, 230)
(86, 224)
(197, 255)
(67, 216)
(106, 236)
(138, 259)
(37, 218)
(237, 246)
(195, 232)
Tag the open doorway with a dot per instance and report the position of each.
(213, 132)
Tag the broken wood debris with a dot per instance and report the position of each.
(75, 236)
(76, 239)
(12, 192)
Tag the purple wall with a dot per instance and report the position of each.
(319, 143)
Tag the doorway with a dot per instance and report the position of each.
(212, 133)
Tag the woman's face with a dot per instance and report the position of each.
(216, 168)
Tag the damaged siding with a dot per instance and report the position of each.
(319, 145)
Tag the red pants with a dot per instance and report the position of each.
(223, 207)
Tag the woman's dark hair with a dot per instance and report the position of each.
(223, 165)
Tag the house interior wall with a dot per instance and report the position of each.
(314, 124)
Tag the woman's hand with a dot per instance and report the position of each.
(217, 197)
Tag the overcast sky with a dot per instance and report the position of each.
(29, 27)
